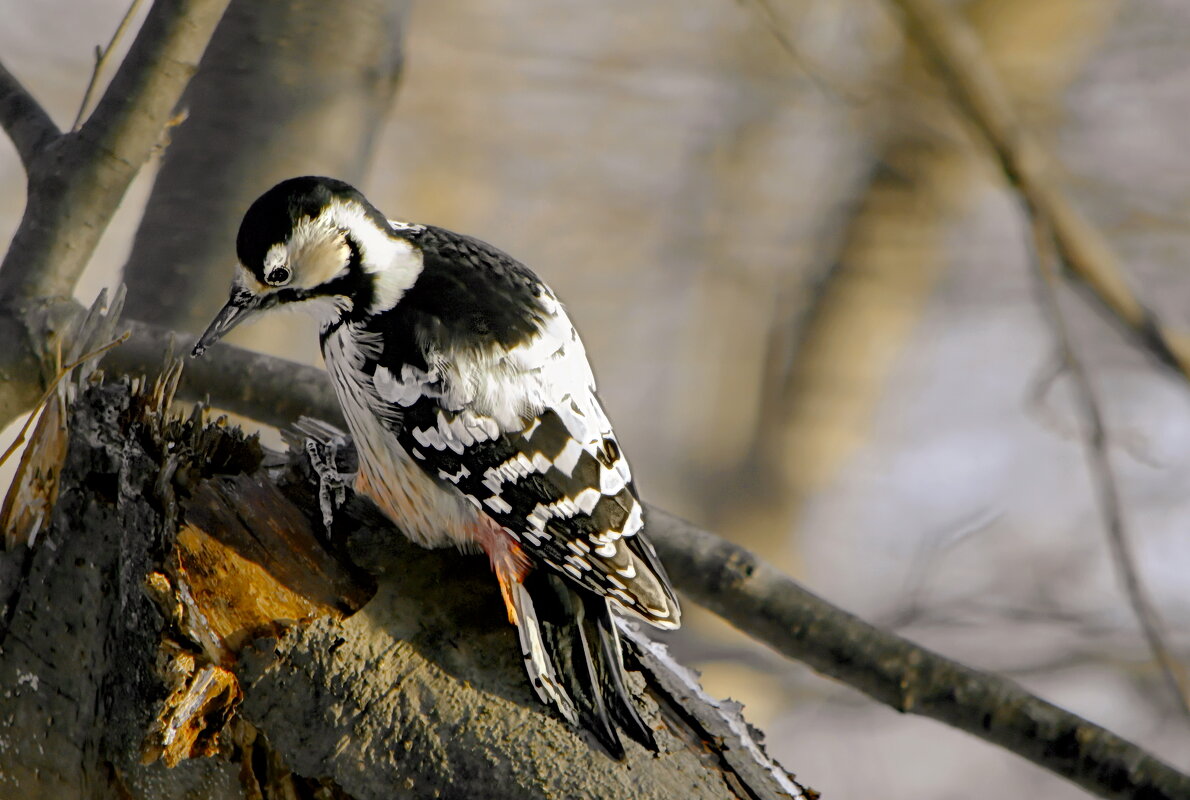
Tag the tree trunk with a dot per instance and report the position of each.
(286, 87)
(180, 603)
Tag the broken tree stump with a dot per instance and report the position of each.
(180, 625)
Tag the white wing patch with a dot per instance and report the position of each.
(456, 477)
(498, 504)
(567, 460)
(407, 389)
(505, 390)
(510, 471)
(482, 394)
(458, 433)
(497, 390)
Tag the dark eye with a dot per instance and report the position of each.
(278, 276)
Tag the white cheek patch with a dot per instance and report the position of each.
(316, 253)
(321, 262)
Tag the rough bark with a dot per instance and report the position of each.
(285, 88)
(181, 603)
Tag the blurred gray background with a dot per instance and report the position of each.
(808, 299)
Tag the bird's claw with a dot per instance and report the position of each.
(332, 484)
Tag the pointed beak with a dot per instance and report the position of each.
(238, 308)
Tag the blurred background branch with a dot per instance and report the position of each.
(767, 605)
(286, 87)
(24, 120)
(1102, 473)
(76, 181)
(1060, 236)
(1086, 254)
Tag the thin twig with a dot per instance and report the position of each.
(825, 84)
(101, 57)
(1103, 475)
(63, 371)
(948, 41)
(24, 120)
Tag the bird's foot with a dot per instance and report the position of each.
(332, 484)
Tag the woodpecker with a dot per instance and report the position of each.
(473, 409)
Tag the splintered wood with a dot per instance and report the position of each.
(184, 569)
(240, 562)
(201, 703)
(30, 499)
(245, 564)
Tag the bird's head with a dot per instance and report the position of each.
(317, 245)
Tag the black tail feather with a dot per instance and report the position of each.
(610, 667)
(580, 638)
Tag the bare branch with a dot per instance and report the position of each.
(756, 598)
(101, 57)
(1061, 231)
(24, 120)
(1103, 475)
(824, 83)
(425, 683)
(238, 380)
(75, 188)
(1087, 256)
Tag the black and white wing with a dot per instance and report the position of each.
(497, 399)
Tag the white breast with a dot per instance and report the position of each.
(428, 514)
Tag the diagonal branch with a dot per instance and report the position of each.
(24, 120)
(759, 600)
(75, 187)
(1086, 255)
(234, 379)
(1062, 233)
